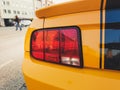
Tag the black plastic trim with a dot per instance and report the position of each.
(101, 25)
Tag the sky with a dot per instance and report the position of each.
(60, 1)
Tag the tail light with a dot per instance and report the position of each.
(37, 45)
(59, 45)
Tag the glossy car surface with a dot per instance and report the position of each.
(98, 21)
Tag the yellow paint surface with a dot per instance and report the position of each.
(84, 14)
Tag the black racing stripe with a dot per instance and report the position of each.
(101, 21)
(112, 25)
(113, 4)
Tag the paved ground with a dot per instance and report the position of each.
(11, 56)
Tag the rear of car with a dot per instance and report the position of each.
(74, 46)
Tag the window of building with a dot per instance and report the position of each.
(25, 13)
(14, 12)
(8, 3)
(18, 12)
(5, 11)
(9, 11)
(3, 2)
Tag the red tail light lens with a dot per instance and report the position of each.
(59, 45)
(52, 46)
(37, 45)
(69, 47)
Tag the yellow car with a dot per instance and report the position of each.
(74, 46)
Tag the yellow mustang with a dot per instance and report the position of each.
(74, 46)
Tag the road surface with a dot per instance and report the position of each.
(11, 57)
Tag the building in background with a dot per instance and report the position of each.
(24, 9)
(47, 3)
(42, 3)
(1, 19)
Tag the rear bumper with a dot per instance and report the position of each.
(47, 76)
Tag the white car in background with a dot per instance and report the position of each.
(25, 23)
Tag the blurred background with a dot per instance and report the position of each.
(24, 9)
(12, 40)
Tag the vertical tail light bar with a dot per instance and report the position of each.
(69, 44)
(58, 45)
(52, 46)
(37, 45)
